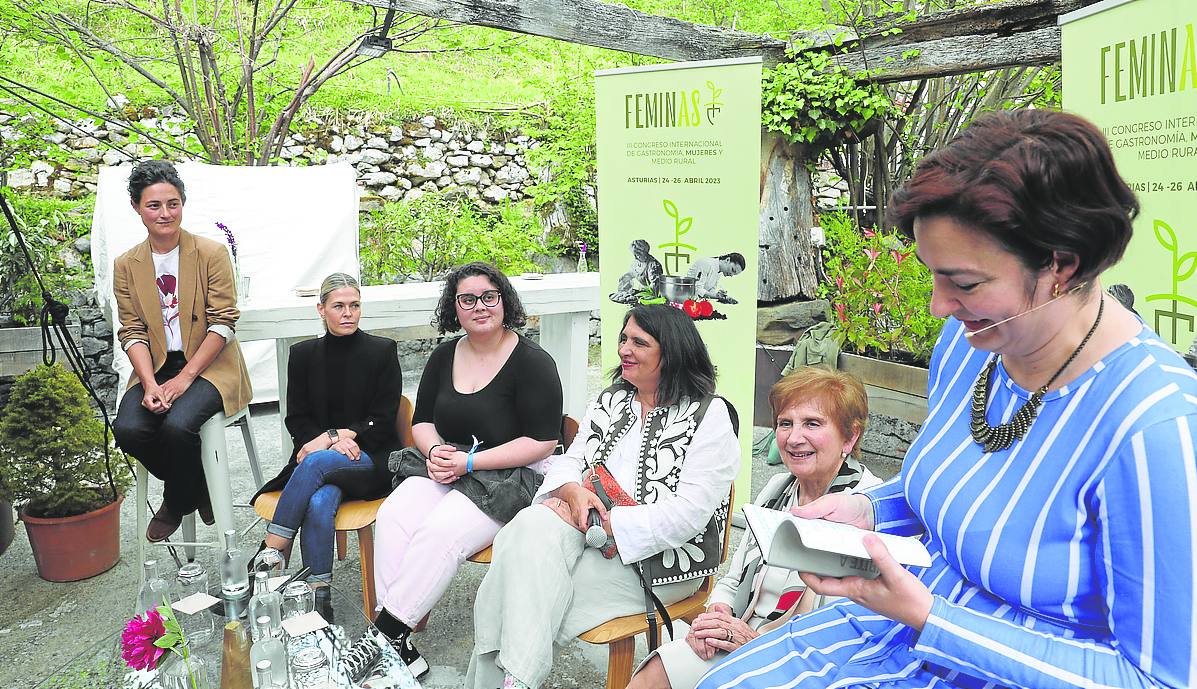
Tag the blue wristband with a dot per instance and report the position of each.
(470, 455)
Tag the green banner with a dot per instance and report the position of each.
(678, 178)
(1131, 68)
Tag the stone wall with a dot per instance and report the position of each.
(393, 161)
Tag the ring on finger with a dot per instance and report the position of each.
(729, 635)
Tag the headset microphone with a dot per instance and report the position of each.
(1019, 315)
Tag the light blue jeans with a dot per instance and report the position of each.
(311, 498)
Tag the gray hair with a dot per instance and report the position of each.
(335, 282)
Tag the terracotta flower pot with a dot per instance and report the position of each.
(74, 548)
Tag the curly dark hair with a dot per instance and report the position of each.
(686, 367)
(445, 319)
(154, 172)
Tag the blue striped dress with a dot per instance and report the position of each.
(1064, 561)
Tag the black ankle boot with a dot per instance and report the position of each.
(324, 603)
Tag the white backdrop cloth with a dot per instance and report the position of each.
(293, 226)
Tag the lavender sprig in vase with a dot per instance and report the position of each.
(241, 280)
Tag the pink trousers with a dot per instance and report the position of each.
(424, 532)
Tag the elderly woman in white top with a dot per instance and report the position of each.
(658, 434)
(819, 416)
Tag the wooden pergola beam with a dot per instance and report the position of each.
(1016, 32)
(599, 24)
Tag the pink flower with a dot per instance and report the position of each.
(877, 309)
(137, 641)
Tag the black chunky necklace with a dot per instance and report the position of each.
(998, 438)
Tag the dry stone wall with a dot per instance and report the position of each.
(393, 161)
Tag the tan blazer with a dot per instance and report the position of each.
(206, 297)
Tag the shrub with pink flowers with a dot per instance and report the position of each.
(880, 293)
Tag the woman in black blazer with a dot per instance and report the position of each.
(343, 393)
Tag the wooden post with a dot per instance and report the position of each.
(787, 259)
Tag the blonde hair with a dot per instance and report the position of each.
(335, 282)
(839, 395)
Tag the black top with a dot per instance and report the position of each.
(523, 399)
(370, 387)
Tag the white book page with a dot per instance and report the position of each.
(831, 537)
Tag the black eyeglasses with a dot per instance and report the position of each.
(468, 301)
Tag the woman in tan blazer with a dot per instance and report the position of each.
(177, 308)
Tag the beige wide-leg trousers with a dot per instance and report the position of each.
(544, 586)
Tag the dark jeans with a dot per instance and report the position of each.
(311, 498)
(168, 445)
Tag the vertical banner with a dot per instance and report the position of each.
(1131, 68)
(678, 178)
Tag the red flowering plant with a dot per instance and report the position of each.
(879, 291)
(150, 636)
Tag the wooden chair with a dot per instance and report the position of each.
(355, 515)
(620, 633)
(569, 429)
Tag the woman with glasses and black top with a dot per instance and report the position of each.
(487, 415)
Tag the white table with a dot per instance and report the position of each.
(563, 301)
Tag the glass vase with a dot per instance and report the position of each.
(177, 673)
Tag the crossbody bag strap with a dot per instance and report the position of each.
(652, 607)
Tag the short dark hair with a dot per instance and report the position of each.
(154, 172)
(445, 319)
(686, 367)
(1036, 181)
(733, 257)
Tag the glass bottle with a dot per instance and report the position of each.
(270, 647)
(200, 626)
(265, 603)
(264, 676)
(234, 579)
(582, 267)
(153, 588)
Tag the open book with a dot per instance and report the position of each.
(822, 547)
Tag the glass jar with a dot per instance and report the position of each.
(200, 626)
(298, 598)
(309, 668)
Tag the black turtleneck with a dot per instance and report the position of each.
(336, 364)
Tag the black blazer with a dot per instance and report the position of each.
(373, 386)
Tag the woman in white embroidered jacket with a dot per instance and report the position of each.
(658, 434)
(819, 415)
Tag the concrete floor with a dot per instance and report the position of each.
(44, 625)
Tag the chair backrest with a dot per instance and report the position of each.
(569, 430)
(403, 422)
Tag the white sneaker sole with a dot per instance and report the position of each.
(419, 667)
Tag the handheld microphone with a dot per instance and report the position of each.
(1019, 315)
(596, 537)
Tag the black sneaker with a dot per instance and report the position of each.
(361, 657)
(411, 657)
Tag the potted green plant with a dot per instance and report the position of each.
(53, 468)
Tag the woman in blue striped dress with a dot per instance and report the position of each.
(1054, 481)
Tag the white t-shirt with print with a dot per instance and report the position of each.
(166, 272)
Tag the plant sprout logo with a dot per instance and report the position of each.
(673, 250)
(713, 105)
(1183, 266)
